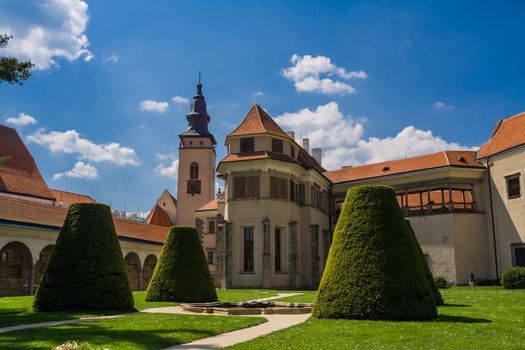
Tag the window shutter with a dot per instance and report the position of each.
(240, 187)
(301, 194)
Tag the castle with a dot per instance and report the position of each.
(272, 226)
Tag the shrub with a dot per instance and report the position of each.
(438, 299)
(513, 278)
(373, 271)
(86, 269)
(182, 272)
(486, 282)
(440, 282)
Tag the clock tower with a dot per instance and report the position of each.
(196, 178)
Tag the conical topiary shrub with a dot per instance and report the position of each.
(86, 270)
(373, 271)
(438, 299)
(182, 273)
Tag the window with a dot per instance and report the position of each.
(301, 195)
(211, 226)
(292, 151)
(277, 249)
(278, 188)
(246, 187)
(191, 143)
(513, 186)
(277, 145)
(211, 257)
(248, 249)
(247, 144)
(194, 171)
(518, 254)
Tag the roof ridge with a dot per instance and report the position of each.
(258, 110)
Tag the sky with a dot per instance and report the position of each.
(365, 81)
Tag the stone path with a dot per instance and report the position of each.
(274, 323)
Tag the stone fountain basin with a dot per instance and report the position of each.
(249, 308)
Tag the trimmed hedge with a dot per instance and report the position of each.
(182, 272)
(373, 271)
(513, 278)
(86, 270)
(440, 282)
(438, 299)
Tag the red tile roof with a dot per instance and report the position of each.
(70, 197)
(19, 175)
(257, 121)
(28, 212)
(159, 216)
(211, 205)
(509, 133)
(429, 161)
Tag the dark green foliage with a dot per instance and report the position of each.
(86, 270)
(182, 272)
(373, 271)
(479, 281)
(513, 278)
(440, 282)
(13, 70)
(424, 265)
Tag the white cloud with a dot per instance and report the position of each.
(113, 58)
(81, 170)
(438, 105)
(162, 157)
(170, 170)
(154, 106)
(179, 100)
(71, 142)
(21, 120)
(46, 30)
(317, 74)
(257, 95)
(341, 138)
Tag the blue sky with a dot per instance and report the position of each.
(365, 81)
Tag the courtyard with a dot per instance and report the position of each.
(484, 317)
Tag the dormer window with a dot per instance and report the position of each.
(387, 168)
(277, 145)
(247, 144)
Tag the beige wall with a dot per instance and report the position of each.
(205, 156)
(208, 240)
(509, 214)
(166, 203)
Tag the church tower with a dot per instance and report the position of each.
(196, 180)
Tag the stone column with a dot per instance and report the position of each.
(222, 255)
(267, 261)
(314, 255)
(31, 282)
(293, 256)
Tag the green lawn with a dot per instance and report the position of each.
(483, 318)
(18, 310)
(144, 331)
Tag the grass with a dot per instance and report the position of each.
(144, 331)
(18, 310)
(483, 318)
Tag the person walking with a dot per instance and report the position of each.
(471, 282)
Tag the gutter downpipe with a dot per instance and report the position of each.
(492, 218)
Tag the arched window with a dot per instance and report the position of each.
(194, 171)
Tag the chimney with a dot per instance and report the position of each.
(306, 144)
(317, 153)
(291, 134)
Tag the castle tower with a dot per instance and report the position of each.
(196, 180)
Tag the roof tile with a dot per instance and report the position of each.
(509, 133)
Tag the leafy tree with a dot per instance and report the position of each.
(182, 273)
(86, 269)
(12, 70)
(373, 271)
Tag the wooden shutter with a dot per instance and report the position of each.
(274, 187)
(240, 187)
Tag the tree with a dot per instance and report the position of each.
(373, 271)
(182, 272)
(13, 70)
(86, 269)
(438, 299)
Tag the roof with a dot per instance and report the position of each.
(29, 212)
(257, 121)
(19, 174)
(508, 133)
(425, 162)
(71, 197)
(211, 205)
(159, 216)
